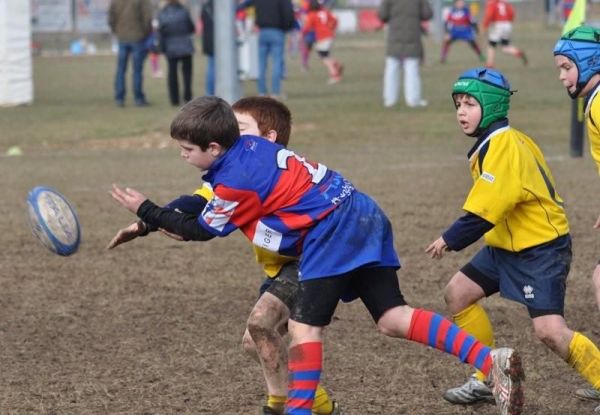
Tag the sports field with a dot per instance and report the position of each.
(155, 326)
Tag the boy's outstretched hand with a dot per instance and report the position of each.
(129, 198)
(127, 234)
(437, 248)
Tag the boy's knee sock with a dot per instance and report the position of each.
(304, 364)
(276, 403)
(429, 328)
(475, 321)
(322, 404)
(584, 357)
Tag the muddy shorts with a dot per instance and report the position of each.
(284, 286)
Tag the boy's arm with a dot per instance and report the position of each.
(185, 225)
(466, 230)
(461, 234)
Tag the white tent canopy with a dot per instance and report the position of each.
(16, 84)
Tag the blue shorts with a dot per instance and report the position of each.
(535, 277)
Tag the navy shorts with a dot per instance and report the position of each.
(285, 284)
(535, 277)
(378, 288)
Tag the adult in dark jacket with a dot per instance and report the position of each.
(176, 28)
(131, 22)
(273, 18)
(404, 47)
(208, 44)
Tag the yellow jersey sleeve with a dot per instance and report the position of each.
(514, 189)
(593, 128)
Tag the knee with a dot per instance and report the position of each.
(248, 344)
(549, 335)
(451, 297)
(395, 322)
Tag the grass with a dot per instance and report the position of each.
(73, 104)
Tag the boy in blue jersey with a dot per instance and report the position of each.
(577, 57)
(263, 338)
(514, 205)
(295, 207)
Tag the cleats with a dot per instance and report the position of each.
(336, 409)
(506, 379)
(267, 410)
(588, 394)
(473, 391)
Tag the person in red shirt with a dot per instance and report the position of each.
(320, 20)
(499, 15)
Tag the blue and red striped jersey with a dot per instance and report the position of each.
(271, 194)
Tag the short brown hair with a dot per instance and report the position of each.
(270, 114)
(204, 120)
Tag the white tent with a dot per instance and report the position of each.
(16, 83)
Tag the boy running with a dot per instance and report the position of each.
(498, 22)
(514, 205)
(577, 57)
(291, 206)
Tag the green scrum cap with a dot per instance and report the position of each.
(490, 88)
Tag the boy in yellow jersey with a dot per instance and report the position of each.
(577, 57)
(514, 205)
(267, 323)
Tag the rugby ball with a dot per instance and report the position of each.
(53, 221)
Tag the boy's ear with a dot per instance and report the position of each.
(271, 135)
(215, 149)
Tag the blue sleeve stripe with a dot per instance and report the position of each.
(305, 375)
(466, 348)
(450, 338)
(483, 353)
(298, 411)
(434, 327)
(303, 394)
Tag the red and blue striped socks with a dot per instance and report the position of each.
(304, 364)
(429, 328)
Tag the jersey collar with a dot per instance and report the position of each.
(494, 129)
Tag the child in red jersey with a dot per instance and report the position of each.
(499, 15)
(320, 20)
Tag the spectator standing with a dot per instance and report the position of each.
(208, 45)
(273, 18)
(404, 47)
(131, 22)
(176, 29)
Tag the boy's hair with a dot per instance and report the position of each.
(491, 90)
(582, 46)
(269, 113)
(204, 120)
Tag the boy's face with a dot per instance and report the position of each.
(197, 157)
(248, 125)
(468, 112)
(568, 74)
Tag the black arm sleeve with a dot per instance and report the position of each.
(466, 230)
(183, 224)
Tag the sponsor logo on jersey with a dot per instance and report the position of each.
(488, 177)
(528, 291)
(266, 237)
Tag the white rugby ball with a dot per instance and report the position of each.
(53, 221)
